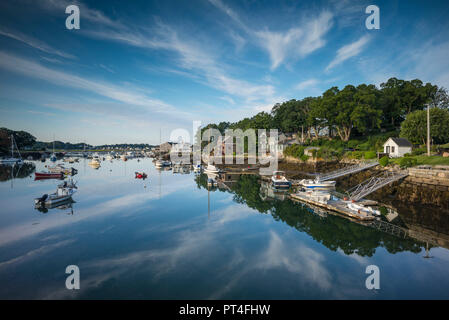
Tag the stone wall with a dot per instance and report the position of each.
(437, 176)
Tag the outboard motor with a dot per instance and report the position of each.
(42, 199)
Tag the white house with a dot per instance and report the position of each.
(397, 147)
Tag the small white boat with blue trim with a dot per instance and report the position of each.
(278, 180)
(317, 184)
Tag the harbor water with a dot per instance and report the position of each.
(169, 236)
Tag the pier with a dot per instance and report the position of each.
(336, 206)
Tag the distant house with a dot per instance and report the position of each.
(397, 147)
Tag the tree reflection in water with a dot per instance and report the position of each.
(333, 231)
(8, 172)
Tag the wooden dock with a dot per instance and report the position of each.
(336, 206)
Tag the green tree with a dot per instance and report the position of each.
(414, 127)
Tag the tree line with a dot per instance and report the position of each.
(350, 112)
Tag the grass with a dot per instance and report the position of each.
(425, 160)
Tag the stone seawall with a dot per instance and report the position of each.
(433, 177)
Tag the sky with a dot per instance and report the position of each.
(137, 70)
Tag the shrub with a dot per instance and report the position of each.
(370, 155)
(407, 162)
(304, 157)
(419, 151)
(384, 161)
(383, 210)
(357, 154)
(353, 144)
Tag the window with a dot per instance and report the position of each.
(392, 149)
(387, 149)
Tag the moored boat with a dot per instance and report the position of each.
(278, 180)
(48, 175)
(317, 184)
(360, 208)
(12, 159)
(211, 168)
(62, 194)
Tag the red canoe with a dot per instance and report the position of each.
(48, 175)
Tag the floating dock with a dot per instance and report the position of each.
(334, 205)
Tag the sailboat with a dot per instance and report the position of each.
(12, 160)
(53, 155)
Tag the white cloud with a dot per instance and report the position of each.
(35, 43)
(35, 70)
(292, 43)
(193, 57)
(306, 84)
(348, 51)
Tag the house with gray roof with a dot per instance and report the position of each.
(397, 147)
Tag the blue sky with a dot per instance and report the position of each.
(136, 68)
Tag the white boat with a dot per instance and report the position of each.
(109, 157)
(360, 208)
(61, 169)
(211, 169)
(12, 159)
(123, 157)
(278, 180)
(317, 184)
(94, 162)
(62, 194)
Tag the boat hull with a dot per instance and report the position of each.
(42, 175)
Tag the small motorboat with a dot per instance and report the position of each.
(53, 157)
(48, 175)
(317, 184)
(62, 194)
(141, 175)
(278, 180)
(360, 208)
(61, 169)
(211, 169)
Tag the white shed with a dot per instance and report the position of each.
(397, 147)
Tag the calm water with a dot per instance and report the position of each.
(167, 237)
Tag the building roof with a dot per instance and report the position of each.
(401, 142)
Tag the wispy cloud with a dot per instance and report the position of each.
(35, 43)
(191, 56)
(35, 70)
(296, 42)
(306, 84)
(348, 51)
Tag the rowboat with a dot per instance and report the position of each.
(48, 175)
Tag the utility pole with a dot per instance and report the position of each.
(428, 130)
